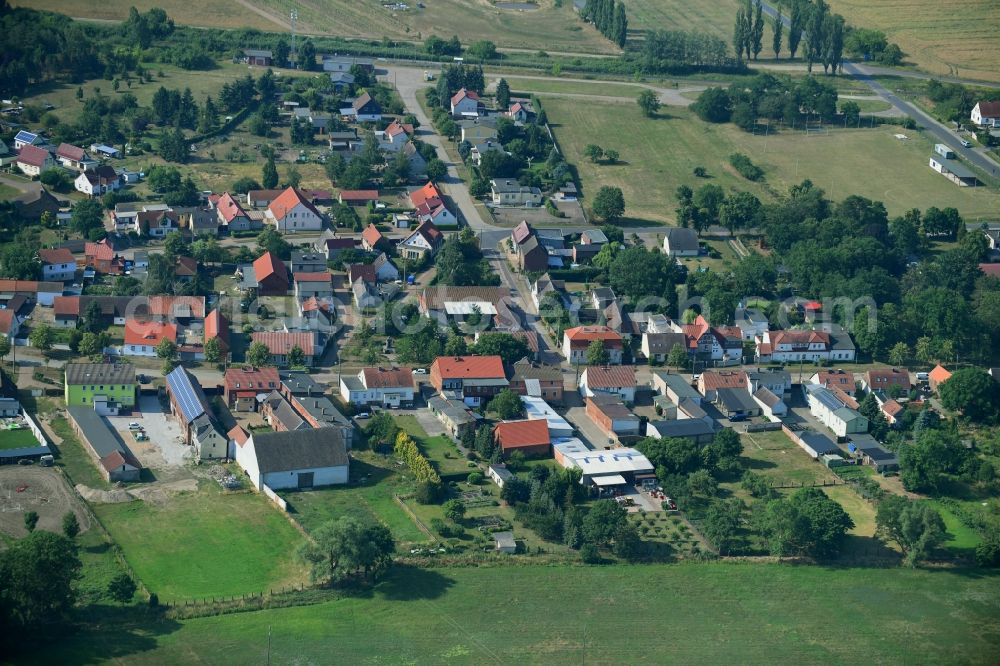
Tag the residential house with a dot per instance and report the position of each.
(577, 340)
(837, 412)
(269, 275)
(25, 138)
(217, 328)
(456, 303)
(425, 239)
(891, 410)
(612, 416)
(532, 256)
(142, 337)
(185, 269)
(539, 381)
(477, 130)
(711, 381)
(243, 385)
(681, 242)
(281, 343)
(454, 415)
(506, 192)
(32, 160)
(938, 376)
(58, 265)
(365, 295)
(73, 157)
(364, 109)
(307, 261)
(426, 198)
(189, 404)
(295, 459)
(157, 222)
(696, 430)
(717, 343)
(292, 212)
(616, 379)
(418, 165)
(517, 112)
(893, 381)
(986, 114)
(751, 322)
(657, 346)
(331, 246)
(544, 286)
(838, 378)
(318, 285)
(775, 380)
(95, 182)
(675, 387)
(793, 346)
(474, 379)
(529, 437)
(372, 239)
(262, 198)
(479, 150)
(385, 270)
(232, 216)
(394, 136)
(110, 383)
(465, 103)
(392, 387)
(771, 405)
(499, 474)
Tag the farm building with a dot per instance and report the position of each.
(694, 429)
(813, 443)
(114, 460)
(607, 469)
(872, 453)
(297, 459)
(189, 405)
(953, 171)
(529, 437)
(612, 416)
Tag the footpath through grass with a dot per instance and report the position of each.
(689, 613)
(206, 543)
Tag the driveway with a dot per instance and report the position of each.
(587, 430)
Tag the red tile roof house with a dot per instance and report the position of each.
(72, 157)
(217, 326)
(232, 215)
(475, 378)
(281, 343)
(291, 211)
(102, 258)
(884, 379)
(891, 410)
(142, 337)
(840, 378)
(33, 160)
(529, 437)
(711, 381)
(616, 380)
(271, 275)
(577, 340)
(372, 239)
(58, 264)
(465, 103)
(318, 285)
(242, 385)
(428, 197)
(939, 375)
(358, 197)
(9, 323)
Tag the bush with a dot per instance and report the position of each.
(745, 167)
(428, 492)
(700, 172)
(475, 478)
(589, 554)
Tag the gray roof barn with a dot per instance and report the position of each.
(302, 449)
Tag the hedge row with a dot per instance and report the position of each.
(407, 451)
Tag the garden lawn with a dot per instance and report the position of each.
(440, 450)
(369, 496)
(657, 155)
(17, 439)
(690, 613)
(206, 543)
(961, 538)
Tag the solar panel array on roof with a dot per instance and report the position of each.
(186, 394)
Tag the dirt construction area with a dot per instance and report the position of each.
(43, 490)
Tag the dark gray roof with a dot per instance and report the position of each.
(767, 397)
(300, 383)
(322, 409)
(679, 385)
(683, 428)
(100, 435)
(78, 374)
(736, 400)
(299, 449)
(682, 239)
(819, 443)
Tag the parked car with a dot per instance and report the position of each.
(736, 418)
(134, 426)
(362, 415)
(966, 143)
(420, 371)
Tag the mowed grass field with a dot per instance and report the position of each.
(214, 14)
(206, 543)
(714, 18)
(951, 37)
(657, 155)
(692, 613)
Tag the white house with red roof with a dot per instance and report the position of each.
(466, 103)
(74, 157)
(281, 343)
(232, 215)
(32, 160)
(577, 340)
(390, 387)
(142, 337)
(986, 114)
(394, 137)
(616, 380)
(799, 345)
(292, 211)
(9, 323)
(58, 264)
(517, 112)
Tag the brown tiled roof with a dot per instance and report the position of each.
(470, 367)
(610, 376)
(520, 434)
(245, 379)
(59, 255)
(382, 378)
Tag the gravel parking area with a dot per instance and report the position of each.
(165, 447)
